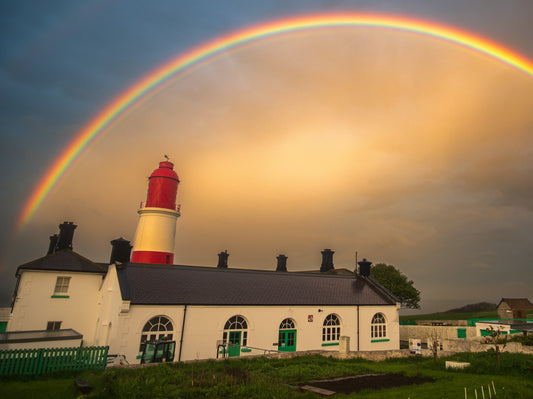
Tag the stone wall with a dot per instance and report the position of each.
(479, 345)
(439, 332)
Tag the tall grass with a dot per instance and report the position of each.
(276, 378)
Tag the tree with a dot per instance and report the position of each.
(495, 337)
(434, 343)
(397, 283)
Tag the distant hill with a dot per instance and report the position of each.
(475, 307)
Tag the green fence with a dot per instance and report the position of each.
(49, 360)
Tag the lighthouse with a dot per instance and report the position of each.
(154, 239)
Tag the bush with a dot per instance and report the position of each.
(524, 340)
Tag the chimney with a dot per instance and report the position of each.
(364, 268)
(282, 263)
(223, 260)
(53, 243)
(327, 260)
(120, 251)
(66, 234)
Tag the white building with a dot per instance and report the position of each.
(205, 310)
(123, 305)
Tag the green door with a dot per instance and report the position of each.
(234, 343)
(287, 341)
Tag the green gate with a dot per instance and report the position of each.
(49, 360)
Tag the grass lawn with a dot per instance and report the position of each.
(262, 377)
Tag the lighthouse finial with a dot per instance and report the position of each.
(166, 156)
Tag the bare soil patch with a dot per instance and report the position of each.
(371, 381)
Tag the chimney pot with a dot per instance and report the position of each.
(327, 260)
(53, 244)
(364, 267)
(66, 234)
(282, 263)
(223, 260)
(121, 251)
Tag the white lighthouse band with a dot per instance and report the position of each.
(154, 238)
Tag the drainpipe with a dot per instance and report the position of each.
(357, 328)
(182, 330)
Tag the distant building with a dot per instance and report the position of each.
(514, 308)
(5, 315)
(208, 311)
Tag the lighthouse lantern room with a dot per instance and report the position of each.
(154, 239)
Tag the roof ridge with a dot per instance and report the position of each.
(236, 270)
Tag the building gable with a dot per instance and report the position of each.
(65, 260)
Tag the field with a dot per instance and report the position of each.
(262, 377)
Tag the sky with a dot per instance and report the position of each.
(406, 149)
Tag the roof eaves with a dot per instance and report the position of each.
(146, 303)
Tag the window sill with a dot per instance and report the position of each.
(60, 296)
(380, 340)
(330, 344)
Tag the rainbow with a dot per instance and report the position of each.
(196, 57)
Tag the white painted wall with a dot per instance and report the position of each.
(34, 306)
(204, 326)
(95, 309)
(392, 317)
(110, 308)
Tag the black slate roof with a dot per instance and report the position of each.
(148, 284)
(64, 260)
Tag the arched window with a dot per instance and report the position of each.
(331, 330)
(287, 324)
(378, 326)
(232, 329)
(158, 327)
(235, 335)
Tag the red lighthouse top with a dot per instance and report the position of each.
(163, 187)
